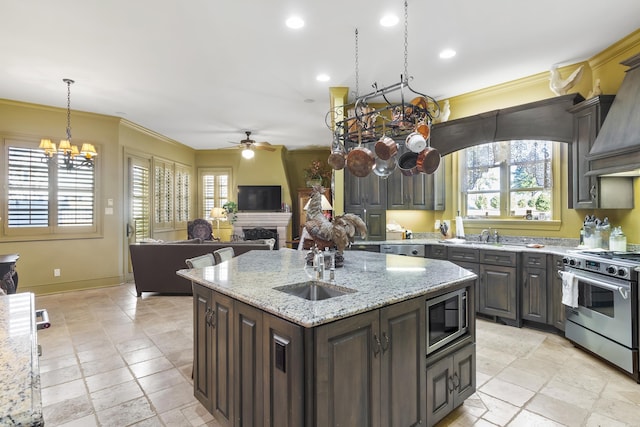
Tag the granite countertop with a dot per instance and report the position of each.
(378, 279)
(505, 245)
(20, 402)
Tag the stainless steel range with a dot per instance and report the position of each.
(605, 322)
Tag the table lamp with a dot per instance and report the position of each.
(218, 214)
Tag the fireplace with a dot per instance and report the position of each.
(269, 220)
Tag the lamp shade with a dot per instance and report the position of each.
(218, 214)
(326, 206)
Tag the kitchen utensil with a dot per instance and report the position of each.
(416, 142)
(428, 160)
(423, 129)
(407, 163)
(360, 161)
(385, 148)
(444, 229)
(384, 168)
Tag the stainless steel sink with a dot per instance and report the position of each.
(315, 290)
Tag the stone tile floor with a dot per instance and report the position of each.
(112, 359)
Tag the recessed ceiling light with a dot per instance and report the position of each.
(309, 101)
(323, 77)
(447, 53)
(389, 20)
(295, 22)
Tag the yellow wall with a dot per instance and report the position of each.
(103, 260)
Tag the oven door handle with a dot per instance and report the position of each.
(623, 291)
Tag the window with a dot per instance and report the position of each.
(215, 190)
(163, 194)
(45, 195)
(183, 195)
(508, 179)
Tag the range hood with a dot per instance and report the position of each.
(616, 149)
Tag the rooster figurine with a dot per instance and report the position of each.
(340, 232)
(560, 86)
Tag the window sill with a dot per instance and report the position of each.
(512, 224)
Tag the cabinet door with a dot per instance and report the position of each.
(347, 376)
(222, 359)
(202, 303)
(248, 397)
(557, 315)
(439, 390)
(497, 289)
(534, 294)
(354, 189)
(588, 116)
(464, 374)
(398, 191)
(449, 382)
(474, 268)
(403, 339)
(283, 370)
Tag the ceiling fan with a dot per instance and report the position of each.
(248, 145)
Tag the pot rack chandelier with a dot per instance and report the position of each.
(71, 157)
(374, 116)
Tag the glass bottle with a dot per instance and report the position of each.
(617, 240)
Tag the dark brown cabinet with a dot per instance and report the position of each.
(247, 367)
(554, 291)
(534, 287)
(420, 191)
(370, 368)
(367, 198)
(588, 117)
(498, 284)
(213, 359)
(449, 382)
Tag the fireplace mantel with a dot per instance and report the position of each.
(277, 220)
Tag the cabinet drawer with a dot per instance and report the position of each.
(437, 251)
(498, 258)
(463, 254)
(534, 260)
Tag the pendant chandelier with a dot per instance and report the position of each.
(71, 157)
(375, 117)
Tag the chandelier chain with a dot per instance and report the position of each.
(357, 67)
(68, 82)
(406, 41)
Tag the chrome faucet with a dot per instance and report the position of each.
(484, 235)
(496, 236)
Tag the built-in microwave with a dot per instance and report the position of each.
(447, 319)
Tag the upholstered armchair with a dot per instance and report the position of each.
(200, 229)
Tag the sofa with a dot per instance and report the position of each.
(155, 263)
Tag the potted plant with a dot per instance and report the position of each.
(317, 173)
(231, 209)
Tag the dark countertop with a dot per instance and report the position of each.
(378, 279)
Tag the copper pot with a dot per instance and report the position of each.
(360, 161)
(337, 160)
(428, 160)
(408, 163)
(386, 148)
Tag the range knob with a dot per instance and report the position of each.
(611, 269)
(565, 260)
(572, 262)
(623, 272)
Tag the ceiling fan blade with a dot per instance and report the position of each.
(264, 147)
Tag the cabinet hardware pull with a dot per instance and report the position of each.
(456, 381)
(385, 343)
(207, 316)
(450, 384)
(376, 347)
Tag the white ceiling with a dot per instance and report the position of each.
(203, 71)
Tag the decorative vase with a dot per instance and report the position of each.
(313, 182)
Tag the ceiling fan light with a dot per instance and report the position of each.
(248, 153)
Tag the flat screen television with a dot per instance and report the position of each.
(259, 198)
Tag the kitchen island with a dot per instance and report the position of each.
(264, 356)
